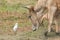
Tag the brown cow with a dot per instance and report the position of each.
(53, 6)
(37, 13)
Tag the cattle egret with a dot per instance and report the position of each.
(15, 27)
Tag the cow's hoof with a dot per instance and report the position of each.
(46, 33)
(57, 33)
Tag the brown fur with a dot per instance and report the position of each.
(51, 15)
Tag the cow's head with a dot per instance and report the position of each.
(33, 17)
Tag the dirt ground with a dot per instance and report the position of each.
(27, 34)
(8, 18)
(24, 32)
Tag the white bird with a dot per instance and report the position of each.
(15, 27)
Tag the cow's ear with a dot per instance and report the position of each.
(30, 8)
(27, 7)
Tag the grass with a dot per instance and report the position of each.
(10, 13)
(14, 12)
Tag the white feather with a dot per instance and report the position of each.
(15, 27)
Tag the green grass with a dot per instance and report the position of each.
(16, 6)
(12, 13)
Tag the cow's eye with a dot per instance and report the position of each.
(29, 16)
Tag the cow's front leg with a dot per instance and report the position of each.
(57, 26)
(51, 13)
(49, 27)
